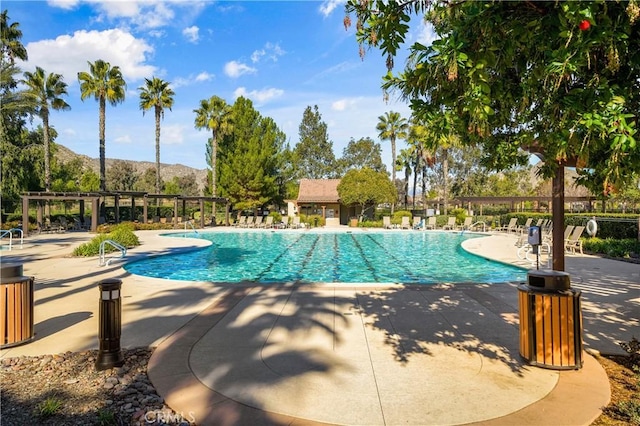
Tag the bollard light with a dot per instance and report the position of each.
(110, 325)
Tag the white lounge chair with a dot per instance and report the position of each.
(405, 223)
(431, 223)
(386, 222)
(451, 223)
(574, 242)
(466, 224)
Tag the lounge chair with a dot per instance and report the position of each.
(526, 225)
(257, 223)
(417, 222)
(405, 224)
(511, 227)
(241, 221)
(268, 222)
(567, 231)
(386, 222)
(466, 224)
(574, 242)
(295, 223)
(431, 223)
(451, 223)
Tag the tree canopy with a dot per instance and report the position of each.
(314, 155)
(559, 79)
(366, 187)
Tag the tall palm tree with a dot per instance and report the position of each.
(10, 35)
(214, 114)
(392, 126)
(46, 91)
(443, 136)
(156, 94)
(104, 83)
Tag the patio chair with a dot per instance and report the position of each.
(257, 223)
(431, 223)
(451, 223)
(567, 231)
(526, 225)
(417, 222)
(249, 222)
(574, 242)
(466, 224)
(405, 224)
(511, 227)
(241, 221)
(268, 222)
(295, 223)
(386, 222)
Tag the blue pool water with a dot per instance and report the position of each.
(371, 257)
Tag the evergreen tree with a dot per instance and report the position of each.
(360, 153)
(249, 158)
(314, 152)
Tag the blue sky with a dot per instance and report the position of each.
(283, 55)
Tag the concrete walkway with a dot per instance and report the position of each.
(329, 354)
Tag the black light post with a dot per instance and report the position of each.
(110, 325)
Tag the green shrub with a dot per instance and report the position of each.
(627, 248)
(460, 215)
(121, 234)
(50, 406)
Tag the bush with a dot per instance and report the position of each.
(121, 234)
(627, 248)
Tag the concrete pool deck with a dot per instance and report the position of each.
(333, 354)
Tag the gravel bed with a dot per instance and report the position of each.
(66, 389)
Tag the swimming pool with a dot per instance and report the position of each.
(321, 257)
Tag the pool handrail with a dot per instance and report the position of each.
(190, 223)
(123, 252)
(10, 233)
(473, 225)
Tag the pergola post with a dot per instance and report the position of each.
(557, 206)
(116, 201)
(25, 216)
(145, 203)
(175, 212)
(132, 215)
(201, 213)
(226, 216)
(95, 211)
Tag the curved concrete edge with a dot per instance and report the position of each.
(577, 399)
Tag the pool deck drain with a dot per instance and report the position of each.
(333, 354)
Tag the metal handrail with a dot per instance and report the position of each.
(10, 233)
(123, 251)
(192, 227)
(473, 225)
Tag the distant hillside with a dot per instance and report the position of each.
(167, 171)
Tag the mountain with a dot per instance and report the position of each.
(167, 171)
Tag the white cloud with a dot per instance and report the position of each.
(191, 34)
(172, 134)
(342, 104)
(270, 51)
(329, 6)
(191, 79)
(69, 54)
(426, 33)
(235, 69)
(204, 76)
(125, 139)
(259, 96)
(63, 4)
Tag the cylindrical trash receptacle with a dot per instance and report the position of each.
(550, 321)
(16, 302)
(110, 325)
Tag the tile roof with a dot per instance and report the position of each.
(318, 191)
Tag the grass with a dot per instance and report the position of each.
(50, 406)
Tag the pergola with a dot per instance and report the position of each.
(94, 199)
(518, 200)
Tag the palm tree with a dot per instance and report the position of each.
(11, 46)
(156, 94)
(45, 90)
(104, 83)
(214, 114)
(392, 126)
(442, 136)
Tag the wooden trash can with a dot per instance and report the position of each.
(550, 328)
(16, 305)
